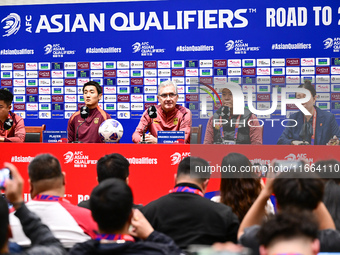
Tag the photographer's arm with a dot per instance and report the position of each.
(324, 218)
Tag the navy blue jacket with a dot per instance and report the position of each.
(326, 128)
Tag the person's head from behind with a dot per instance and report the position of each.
(193, 170)
(45, 175)
(298, 190)
(6, 98)
(113, 166)
(289, 233)
(307, 85)
(111, 205)
(4, 223)
(238, 189)
(92, 92)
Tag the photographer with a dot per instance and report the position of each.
(293, 191)
(43, 241)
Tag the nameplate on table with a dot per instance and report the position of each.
(169, 137)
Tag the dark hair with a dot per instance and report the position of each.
(93, 83)
(308, 85)
(331, 200)
(331, 196)
(241, 190)
(298, 190)
(6, 96)
(44, 166)
(195, 167)
(288, 225)
(4, 221)
(111, 204)
(112, 166)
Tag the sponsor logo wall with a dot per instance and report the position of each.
(187, 73)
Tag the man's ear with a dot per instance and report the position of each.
(205, 184)
(127, 180)
(64, 178)
(31, 186)
(263, 250)
(175, 178)
(315, 246)
(100, 96)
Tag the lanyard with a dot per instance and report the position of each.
(40, 197)
(314, 126)
(236, 128)
(114, 238)
(186, 189)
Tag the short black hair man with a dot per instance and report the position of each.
(47, 189)
(110, 166)
(88, 132)
(12, 127)
(186, 216)
(111, 206)
(294, 232)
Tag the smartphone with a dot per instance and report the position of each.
(287, 166)
(5, 174)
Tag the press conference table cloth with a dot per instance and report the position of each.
(152, 166)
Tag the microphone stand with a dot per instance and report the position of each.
(76, 141)
(144, 131)
(304, 142)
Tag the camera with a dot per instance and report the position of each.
(5, 174)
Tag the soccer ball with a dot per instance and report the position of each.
(110, 131)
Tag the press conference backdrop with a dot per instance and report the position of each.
(47, 52)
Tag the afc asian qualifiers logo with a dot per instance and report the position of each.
(48, 49)
(136, 47)
(68, 157)
(12, 25)
(177, 157)
(301, 156)
(328, 43)
(229, 45)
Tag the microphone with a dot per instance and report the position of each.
(152, 112)
(84, 113)
(223, 113)
(8, 124)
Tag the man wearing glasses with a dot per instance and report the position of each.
(170, 116)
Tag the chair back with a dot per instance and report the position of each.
(196, 134)
(34, 134)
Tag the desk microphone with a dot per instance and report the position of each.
(152, 112)
(8, 124)
(84, 113)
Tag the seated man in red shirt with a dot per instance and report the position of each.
(170, 116)
(12, 127)
(88, 132)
